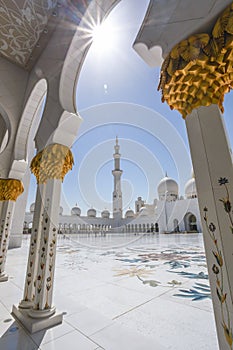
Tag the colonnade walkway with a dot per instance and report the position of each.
(144, 292)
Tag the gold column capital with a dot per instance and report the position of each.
(199, 70)
(53, 162)
(10, 189)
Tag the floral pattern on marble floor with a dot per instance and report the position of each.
(119, 291)
(144, 260)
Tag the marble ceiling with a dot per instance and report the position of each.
(27, 25)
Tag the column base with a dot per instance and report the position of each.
(41, 313)
(3, 277)
(35, 324)
(25, 304)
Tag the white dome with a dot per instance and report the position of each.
(168, 188)
(190, 189)
(129, 213)
(32, 208)
(91, 213)
(105, 214)
(60, 210)
(144, 211)
(76, 211)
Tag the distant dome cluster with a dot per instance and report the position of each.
(168, 212)
(168, 190)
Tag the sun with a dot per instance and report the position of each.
(103, 36)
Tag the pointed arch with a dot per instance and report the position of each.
(30, 120)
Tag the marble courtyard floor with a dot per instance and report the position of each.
(118, 292)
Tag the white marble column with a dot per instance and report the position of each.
(42, 313)
(36, 310)
(30, 279)
(43, 305)
(10, 189)
(212, 163)
(7, 211)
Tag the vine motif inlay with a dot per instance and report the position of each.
(218, 266)
(4, 239)
(44, 278)
(21, 26)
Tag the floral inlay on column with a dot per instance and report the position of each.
(4, 234)
(46, 261)
(219, 265)
(29, 277)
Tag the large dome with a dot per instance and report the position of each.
(76, 211)
(60, 210)
(91, 213)
(190, 189)
(129, 214)
(32, 208)
(105, 214)
(168, 189)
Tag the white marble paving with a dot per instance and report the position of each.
(51, 335)
(171, 324)
(73, 340)
(118, 296)
(88, 321)
(121, 337)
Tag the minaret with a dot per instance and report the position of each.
(117, 194)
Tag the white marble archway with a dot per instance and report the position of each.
(78, 49)
(30, 119)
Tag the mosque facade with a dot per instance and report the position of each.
(169, 213)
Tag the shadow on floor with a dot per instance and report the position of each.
(16, 338)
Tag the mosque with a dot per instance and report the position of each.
(43, 47)
(170, 213)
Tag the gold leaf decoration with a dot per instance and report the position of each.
(221, 23)
(10, 189)
(191, 53)
(228, 335)
(53, 162)
(212, 48)
(199, 70)
(199, 40)
(229, 26)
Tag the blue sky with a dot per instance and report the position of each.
(117, 95)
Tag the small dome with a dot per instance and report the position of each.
(168, 189)
(91, 213)
(60, 210)
(144, 211)
(32, 208)
(190, 189)
(75, 211)
(129, 213)
(105, 214)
